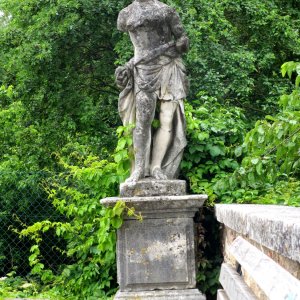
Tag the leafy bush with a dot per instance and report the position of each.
(213, 132)
(19, 287)
(22, 157)
(230, 165)
(60, 204)
(270, 170)
(89, 229)
(237, 46)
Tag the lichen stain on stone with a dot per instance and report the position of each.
(135, 298)
(144, 251)
(131, 252)
(159, 251)
(170, 221)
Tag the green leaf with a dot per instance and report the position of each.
(259, 168)
(120, 130)
(118, 157)
(297, 81)
(238, 151)
(215, 151)
(119, 208)
(34, 248)
(46, 228)
(260, 130)
(121, 144)
(284, 69)
(242, 171)
(254, 161)
(116, 222)
(298, 68)
(203, 136)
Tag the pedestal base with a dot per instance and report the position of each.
(151, 187)
(156, 257)
(192, 294)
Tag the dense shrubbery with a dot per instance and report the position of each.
(213, 130)
(87, 229)
(270, 170)
(58, 118)
(265, 161)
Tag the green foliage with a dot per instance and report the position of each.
(16, 286)
(59, 56)
(208, 276)
(22, 156)
(237, 46)
(209, 253)
(89, 229)
(22, 288)
(289, 68)
(229, 165)
(270, 170)
(213, 131)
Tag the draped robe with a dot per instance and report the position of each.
(158, 72)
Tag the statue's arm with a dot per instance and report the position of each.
(121, 23)
(123, 74)
(182, 40)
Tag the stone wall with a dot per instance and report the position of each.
(261, 246)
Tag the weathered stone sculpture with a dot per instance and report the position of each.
(155, 257)
(155, 76)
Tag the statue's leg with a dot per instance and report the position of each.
(162, 137)
(145, 110)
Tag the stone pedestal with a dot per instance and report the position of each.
(150, 187)
(156, 256)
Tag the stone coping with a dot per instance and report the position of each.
(234, 285)
(159, 202)
(275, 227)
(272, 279)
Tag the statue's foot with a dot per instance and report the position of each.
(157, 173)
(134, 178)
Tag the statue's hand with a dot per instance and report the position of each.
(182, 44)
(122, 75)
(171, 52)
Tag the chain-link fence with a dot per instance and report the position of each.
(23, 202)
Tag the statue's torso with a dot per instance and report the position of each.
(148, 25)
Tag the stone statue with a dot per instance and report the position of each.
(154, 77)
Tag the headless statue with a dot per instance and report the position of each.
(154, 78)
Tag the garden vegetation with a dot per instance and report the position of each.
(61, 139)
